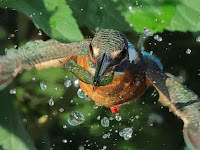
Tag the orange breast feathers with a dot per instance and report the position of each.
(122, 89)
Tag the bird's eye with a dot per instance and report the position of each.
(123, 54)
(91, 49)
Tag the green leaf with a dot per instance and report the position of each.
(53, 17)
(13, 134)
(186, 16)
(157, 15)
(97, 14)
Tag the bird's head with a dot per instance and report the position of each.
(109, 48)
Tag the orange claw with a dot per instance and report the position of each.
(115, 109)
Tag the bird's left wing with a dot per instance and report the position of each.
(181, 101)
(40, 55)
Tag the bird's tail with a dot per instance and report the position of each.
(9, 68)
(192, 136)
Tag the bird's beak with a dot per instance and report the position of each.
(102, 66)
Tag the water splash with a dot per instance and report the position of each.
(106, 135)
(198, 39)
(157, 38)
(64, 126)
(64, 141)
(68, 83)
(76, 82)
(126, 133)
(82, 94)
(13, 91)
(76, 118)
(51, 102)
(147, 32)
(188, 51)
(43, 86)
(118, 117)
(105, 122)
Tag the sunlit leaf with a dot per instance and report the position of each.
(157, 15)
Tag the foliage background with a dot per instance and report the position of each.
(26, 119)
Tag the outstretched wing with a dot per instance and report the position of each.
(40, 55)
(181, 101)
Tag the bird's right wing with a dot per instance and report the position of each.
(40, 55)
(181, 101)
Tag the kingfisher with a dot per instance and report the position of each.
(111, 71)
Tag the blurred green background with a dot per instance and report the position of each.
(29, 121)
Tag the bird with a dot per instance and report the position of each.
(111, 71)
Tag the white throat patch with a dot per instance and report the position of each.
(133, 54)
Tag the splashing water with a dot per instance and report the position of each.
(13, 91)
(43, 86)
(64, 126)
(76, 82)
(198, 39)
(106, 135)
(126, 133)
(118, 117)
(82, 94)
(51, 102)
(105, 122)
(76, 118)
(188, 51)
(64, 141)
(68, 83)
(147, 32)
(157, 38)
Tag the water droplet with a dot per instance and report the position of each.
(126, 133)
(117, 117)
(106, 135)
(64, 141)
(157, 38)
(111, 118)
(198, 39)
(76, 83)
(105, 122)
(13, 91)
(82, 94)
(43, 85)
(188, 51)
(95, 106)
(76, 118)
(98, 118)
(64, 126)
(162, 21)
(147, 32)
(51, 102)
(68, 83)
(40, 33)
(130, 7)
(137, 117)
(61, 109)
